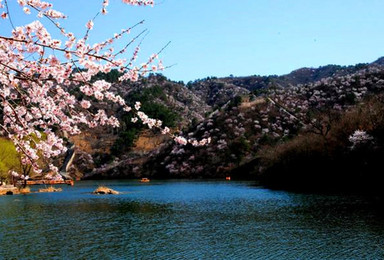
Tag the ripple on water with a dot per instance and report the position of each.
(188, 220)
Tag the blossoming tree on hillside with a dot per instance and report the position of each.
(38, 71)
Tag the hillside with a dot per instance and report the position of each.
(258, 126)
(130, 144)
(265, 137)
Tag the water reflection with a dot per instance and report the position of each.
(188, 220)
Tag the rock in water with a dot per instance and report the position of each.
(105, 190)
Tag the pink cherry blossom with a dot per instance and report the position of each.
(89, 25)
(85, 104)
(27, 10)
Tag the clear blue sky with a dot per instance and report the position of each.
(242, 37)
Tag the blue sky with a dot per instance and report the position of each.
(242, 37)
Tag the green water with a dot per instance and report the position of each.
(189, 220)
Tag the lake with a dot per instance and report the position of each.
(182, 219)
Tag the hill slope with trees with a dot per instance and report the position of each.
(312, 128)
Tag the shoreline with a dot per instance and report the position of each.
(346, 190)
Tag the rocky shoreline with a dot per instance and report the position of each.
(12, 190)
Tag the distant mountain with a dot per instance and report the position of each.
(218, 91)
(379, 61)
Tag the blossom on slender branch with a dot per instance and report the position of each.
(37, 73)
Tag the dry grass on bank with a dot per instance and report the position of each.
(51, 189)
(25, 190)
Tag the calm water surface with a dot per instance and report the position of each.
(189, 220)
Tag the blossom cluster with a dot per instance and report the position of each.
(17, 176)
(359, 137)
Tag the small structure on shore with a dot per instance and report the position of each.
(8, 190)
(50, 182)
(105, 190)
(228, 178)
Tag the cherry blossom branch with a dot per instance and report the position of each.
(9, 15)
(35, 84)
